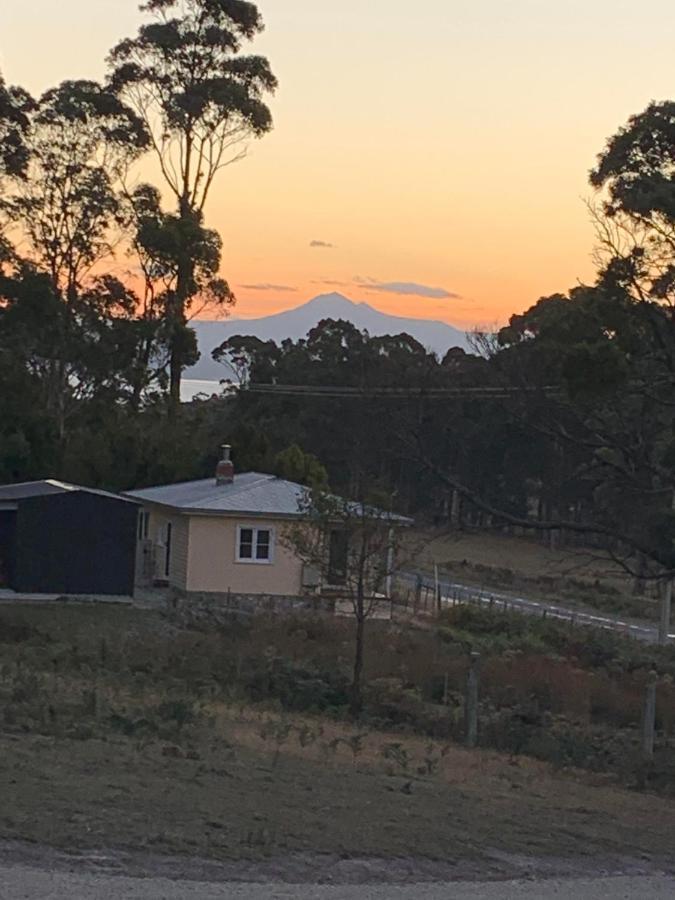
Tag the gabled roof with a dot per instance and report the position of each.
(12, 493)
(249, 494)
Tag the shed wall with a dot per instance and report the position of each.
(7, 547)
(75, 543)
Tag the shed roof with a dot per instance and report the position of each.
(249, 494)
(12, 493)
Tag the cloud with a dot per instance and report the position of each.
(331, 282)
(406, 289)
(278, 288)
(326, 245)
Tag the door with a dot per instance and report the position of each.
(163, 553)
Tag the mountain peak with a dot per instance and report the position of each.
(330, 302)
(296, 323)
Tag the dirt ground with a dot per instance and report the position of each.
(311, 813)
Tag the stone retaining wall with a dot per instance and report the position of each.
(197, 605)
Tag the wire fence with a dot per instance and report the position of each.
(421, 594)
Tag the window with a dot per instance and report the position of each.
(143, 526)
(255, 545)
(338, 552)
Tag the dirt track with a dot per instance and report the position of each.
(21, 883)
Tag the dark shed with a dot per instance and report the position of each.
(58, 538)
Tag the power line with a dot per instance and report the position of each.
(311, 390)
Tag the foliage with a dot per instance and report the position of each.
(199, 98)
(303, 468)
(88, 671)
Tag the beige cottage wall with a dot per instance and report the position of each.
(212, 554)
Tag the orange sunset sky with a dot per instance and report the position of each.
(440, 149)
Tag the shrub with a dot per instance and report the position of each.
(297, 688)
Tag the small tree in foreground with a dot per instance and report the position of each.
(352, 546)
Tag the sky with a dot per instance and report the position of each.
(430, 159)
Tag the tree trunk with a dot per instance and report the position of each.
(356, 705)
(666, 606)
(140, 374)
(178, 306)
(356, 702)
(175, 378)
(177, 338)
(639, 582)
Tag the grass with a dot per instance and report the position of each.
(573, 576)
(224, 792)
(124, 727)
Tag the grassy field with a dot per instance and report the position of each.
(125, 728)
(570, 576)
(228, 793)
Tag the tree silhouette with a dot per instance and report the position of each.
(200, 98)
(15, 104)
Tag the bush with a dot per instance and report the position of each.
(297, 688)
(390, 703)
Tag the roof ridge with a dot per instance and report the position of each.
(238, 488)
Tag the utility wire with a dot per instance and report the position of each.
(311, 390)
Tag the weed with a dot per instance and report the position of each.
(398, 754)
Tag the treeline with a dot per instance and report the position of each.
(563, 425)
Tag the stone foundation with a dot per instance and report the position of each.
(198, 605)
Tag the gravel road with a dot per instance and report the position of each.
(23, 883)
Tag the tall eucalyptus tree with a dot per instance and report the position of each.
(184, 74)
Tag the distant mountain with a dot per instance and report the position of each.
(295, 323)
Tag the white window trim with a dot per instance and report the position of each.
(255, 529)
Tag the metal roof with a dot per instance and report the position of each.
(249, 494)
(12, 493)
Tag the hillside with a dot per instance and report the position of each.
(141, 737)
(295, 323)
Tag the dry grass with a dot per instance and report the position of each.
(123, 729)
(225, 792)
(572, 576)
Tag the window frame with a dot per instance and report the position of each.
(253, 560)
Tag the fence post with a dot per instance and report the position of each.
(471, 705)
(649, 719)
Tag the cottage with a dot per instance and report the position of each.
(58, 538)
(226, 535)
